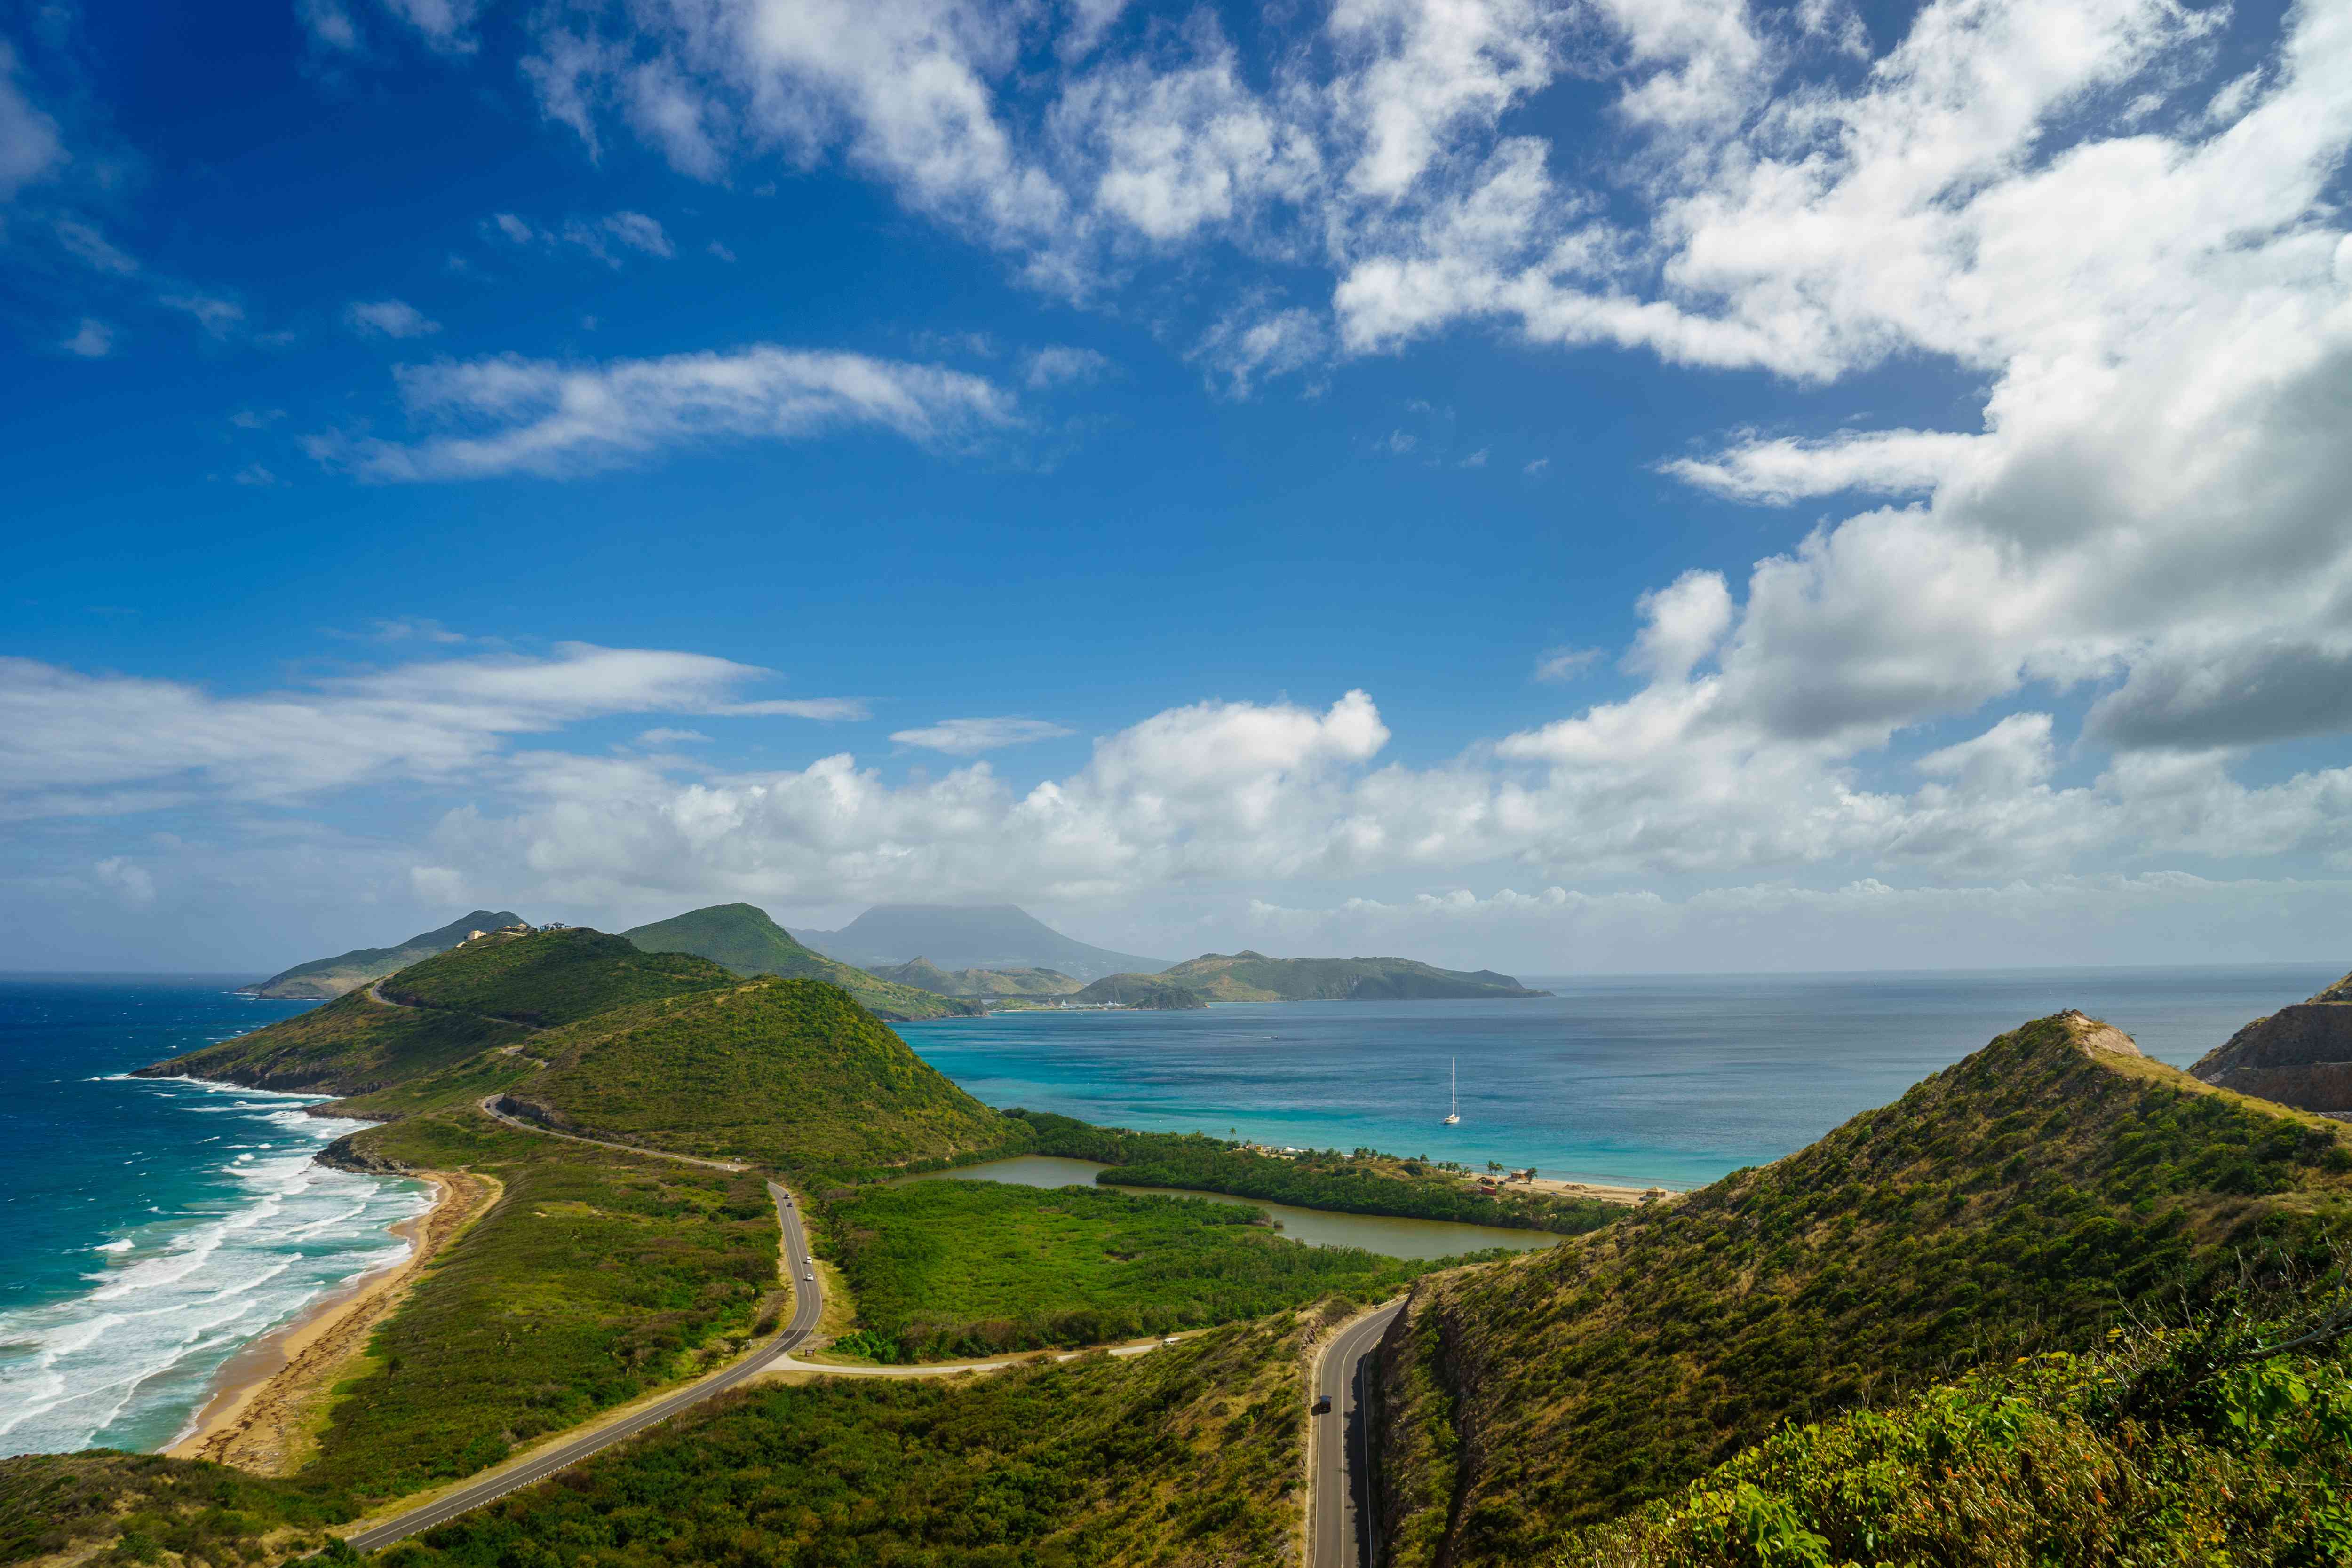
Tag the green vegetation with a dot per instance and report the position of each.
(2012, 1203)
(1188, 1457)
(1360, 1183)
(742, 937)
(547, 977)
(2167, 1446)
(347, 1047)
(323, 978)
(1253, 978)
(598, 1277)
(136, 1507)
(944, 1269)
(789, 1074)
(1140, 991)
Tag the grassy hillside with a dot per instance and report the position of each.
(791, 1074)
(598, 1276)
(323, 978)
(944, 1269)
(350, 1046)
(548, 978)
(742, 937)
(1253, 978)
(2071, 1459)
(2009, 1203)
(1187, 1457)
(1360, 1183)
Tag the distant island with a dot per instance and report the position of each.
(1247, 977)
(1000, 957)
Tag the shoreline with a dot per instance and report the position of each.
(265, 1398)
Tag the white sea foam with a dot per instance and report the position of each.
(127, 1362)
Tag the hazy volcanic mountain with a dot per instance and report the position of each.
(954, 936)
(2299, 1056)
(327, 977)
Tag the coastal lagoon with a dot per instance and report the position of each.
(1671, 1080)
(1392, 1236)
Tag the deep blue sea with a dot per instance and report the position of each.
(1670, 1080)
(150, 1228)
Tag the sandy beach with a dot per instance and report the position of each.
(270, 1397)
(1628, 1196)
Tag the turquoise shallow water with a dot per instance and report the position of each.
(1675, 1080)
(151, 1227)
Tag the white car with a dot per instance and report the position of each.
(809, 1274)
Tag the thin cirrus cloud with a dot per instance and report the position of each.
(971, 737)
(604, 239)
(558, 421)
(390, 319)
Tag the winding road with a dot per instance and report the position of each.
(808, 1305)
(1341, 1454)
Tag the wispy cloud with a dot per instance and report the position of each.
(557, 420)
(93, 340)
(604, 239)
(1566, 663)
(971, 737)
(390, 319)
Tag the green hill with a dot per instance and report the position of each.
(2014, 1202)
(791, 1074)
(1253, 978)
(327, 977)
(924, 974)
(350, 1046)
(547, 977)
(742, 937)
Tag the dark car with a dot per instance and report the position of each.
(1322, 1403)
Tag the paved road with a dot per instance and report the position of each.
(808, 1304)
(489, 1107)
(1340, 1452)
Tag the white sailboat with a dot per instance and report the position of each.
(1454, 1079)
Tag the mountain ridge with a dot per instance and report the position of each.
(322, 979)
(745, 939)
(2015, 1201)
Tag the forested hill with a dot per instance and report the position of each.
(742, 937)
(1248, 976)
(2015, 1201)
(322, 978)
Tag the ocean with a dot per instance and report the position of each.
(1666, 1080)
(151, 1227)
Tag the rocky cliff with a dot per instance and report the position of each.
(2299, 1056)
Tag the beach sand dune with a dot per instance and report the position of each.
(270, 1399)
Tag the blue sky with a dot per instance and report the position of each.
(1619, 486)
